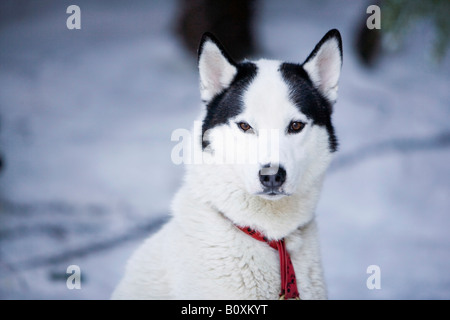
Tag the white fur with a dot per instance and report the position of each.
(199, 253)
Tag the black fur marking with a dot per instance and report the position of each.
(308, 99)
(228, 103)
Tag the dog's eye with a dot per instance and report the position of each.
(296, 127)
(244, 126)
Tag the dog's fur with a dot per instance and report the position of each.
(200, 253)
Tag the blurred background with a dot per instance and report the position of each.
(86, 118)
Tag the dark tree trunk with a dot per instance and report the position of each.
(368, 45)
(230, 20)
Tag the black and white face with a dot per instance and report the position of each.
(270, 121)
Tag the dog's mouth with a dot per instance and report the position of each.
(272, 194)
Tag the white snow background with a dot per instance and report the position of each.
(86, 118)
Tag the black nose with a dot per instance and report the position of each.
(273, 181)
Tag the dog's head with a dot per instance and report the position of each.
(270, 121)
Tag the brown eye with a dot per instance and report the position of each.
(244, 126)
(296, 126)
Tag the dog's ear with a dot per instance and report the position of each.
(324, 64)
(217, 69)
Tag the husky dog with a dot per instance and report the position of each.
(203, 252)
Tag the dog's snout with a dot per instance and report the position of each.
(274, 180)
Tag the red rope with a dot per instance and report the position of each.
(289, 288)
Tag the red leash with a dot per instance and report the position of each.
(288, 280)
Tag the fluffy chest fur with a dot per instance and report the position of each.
(234, 265)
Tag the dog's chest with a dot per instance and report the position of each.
(249, 269)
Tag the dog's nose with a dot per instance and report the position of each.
(274, 180)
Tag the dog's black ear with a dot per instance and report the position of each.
(217, 69)
(324, 64)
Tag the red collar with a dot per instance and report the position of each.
(288, 280)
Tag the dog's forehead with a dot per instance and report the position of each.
(267, 99)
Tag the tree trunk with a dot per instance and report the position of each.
(230, 20)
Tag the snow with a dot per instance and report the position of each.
(87, 116)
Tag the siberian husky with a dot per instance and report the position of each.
(246, 229)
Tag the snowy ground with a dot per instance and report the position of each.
(86, 119)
